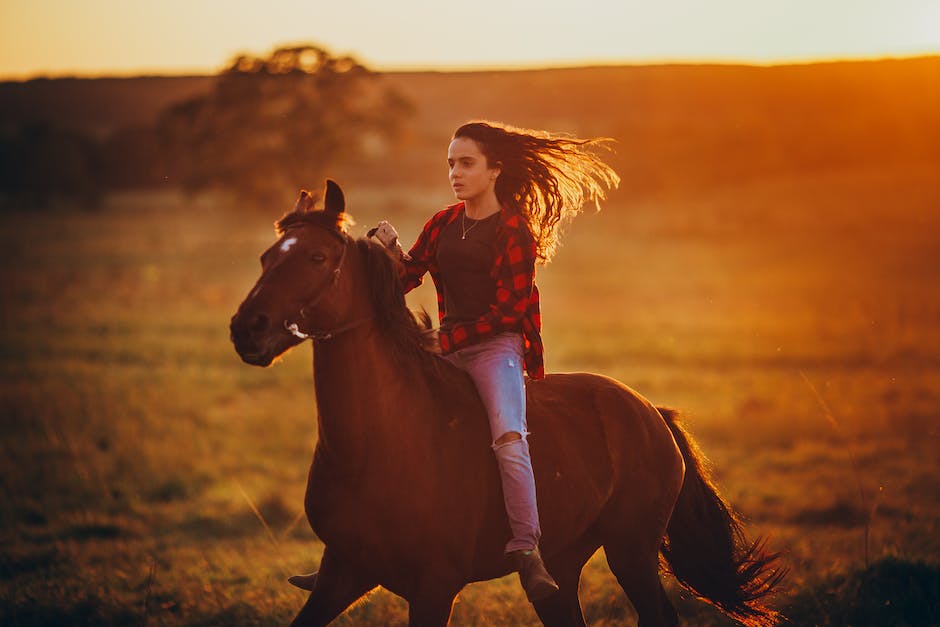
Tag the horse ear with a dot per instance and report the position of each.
(305, 202)
(335, 201)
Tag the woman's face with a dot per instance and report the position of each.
(470, 175)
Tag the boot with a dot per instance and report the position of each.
(535, 580)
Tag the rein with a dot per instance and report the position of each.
(294, 327)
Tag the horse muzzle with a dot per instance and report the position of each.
(256, 340)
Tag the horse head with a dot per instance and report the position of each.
(299, 293)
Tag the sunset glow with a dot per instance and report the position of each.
(107, 37)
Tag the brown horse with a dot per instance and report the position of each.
(403, 489)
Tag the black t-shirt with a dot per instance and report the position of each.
(465, 254)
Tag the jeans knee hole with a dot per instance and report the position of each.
(499, 443)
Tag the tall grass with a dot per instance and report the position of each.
(149, 477)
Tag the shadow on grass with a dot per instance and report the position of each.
(93, 611)
(235, 614)
(19, 561)
(841, 514)
(891, 592)
(88, 611)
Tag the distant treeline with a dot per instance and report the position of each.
(76, 138)
(258, 130)
(676, 126)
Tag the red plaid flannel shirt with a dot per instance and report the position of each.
(517, 297)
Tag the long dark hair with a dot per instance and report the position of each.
(547, 178)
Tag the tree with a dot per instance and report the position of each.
(271, 125)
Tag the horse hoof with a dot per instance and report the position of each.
(304, 582)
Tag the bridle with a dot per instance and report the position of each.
(294, 327)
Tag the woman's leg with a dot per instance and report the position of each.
(496, 367)
(515, 471)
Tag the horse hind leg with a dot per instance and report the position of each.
(639, 578)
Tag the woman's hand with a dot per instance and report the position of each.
(387, 234)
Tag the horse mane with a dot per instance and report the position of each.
(334, 222)
(410, 333)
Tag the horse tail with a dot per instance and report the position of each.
(705, 545)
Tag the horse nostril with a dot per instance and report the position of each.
(261, 323)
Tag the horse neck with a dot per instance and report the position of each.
(360, 392)
(366, 387)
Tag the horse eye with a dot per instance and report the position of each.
(317, 257)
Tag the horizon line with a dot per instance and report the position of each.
(469, 68)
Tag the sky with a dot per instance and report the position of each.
(128, 37)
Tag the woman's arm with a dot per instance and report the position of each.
(419, 259)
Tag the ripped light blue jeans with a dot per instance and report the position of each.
(495, 365)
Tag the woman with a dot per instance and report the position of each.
(515, 189)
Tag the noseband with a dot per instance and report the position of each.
(294, 327)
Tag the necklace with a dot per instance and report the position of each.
(463, 225)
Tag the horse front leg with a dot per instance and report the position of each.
(563, 609)
(433, 600)
(336, 586)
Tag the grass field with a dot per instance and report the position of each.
(150, 478)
